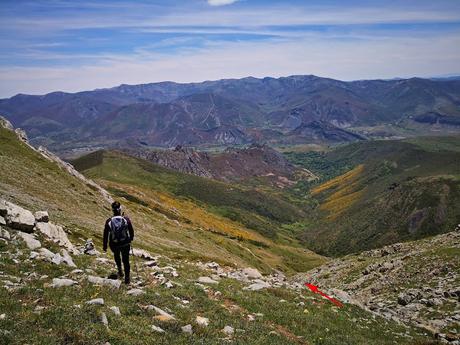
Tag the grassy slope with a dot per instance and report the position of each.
(223, 212)
(303, 318)
(395, 191)
(32, 181)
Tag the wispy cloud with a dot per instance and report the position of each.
(221, 2)
(61, 44)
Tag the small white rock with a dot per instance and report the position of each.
(207, 280)
(187, 329)
(96, 301)
(229, 330)
(157, 329)
(135, 292)
(104, 319)
(115, 310)
(202, 321)
(62, 282)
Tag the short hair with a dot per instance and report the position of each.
(116, 207)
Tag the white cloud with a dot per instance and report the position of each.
(221, 2)
(341, 59)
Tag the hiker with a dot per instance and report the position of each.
(119, 234)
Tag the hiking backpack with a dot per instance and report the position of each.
(118, 229)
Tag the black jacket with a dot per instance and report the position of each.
(121, 244)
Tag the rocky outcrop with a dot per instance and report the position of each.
(16, 217)
(413, 282)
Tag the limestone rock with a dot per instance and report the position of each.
(17, 217)
(157, 329)
(104, 319)
(258, 285)
(96, 301)
(5, 234)
(67, 259)
(30, 240)
(229, 330)
(187, 329)
(160, 312)
(252, 273)
(202, 321)
(143, 254)
(115, 310)
(42, 216)
(57, 234)
(114, 283)
(207, 280)
(61, 282)
(2, 221)
(135, 292)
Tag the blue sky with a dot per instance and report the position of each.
(69, 45)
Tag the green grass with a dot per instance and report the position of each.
(303, 318)
(400, 178)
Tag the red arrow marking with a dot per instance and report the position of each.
(315, 289)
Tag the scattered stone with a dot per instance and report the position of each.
(67, 259)
(30, 240)
(16, 217)
(207, 280)
(161, 314)
(157, 329)
(2, 221)
(57, 234)
(96, 301)
(61, 282)
(104, 320)
(2, 316)
(115, 310)
(252, 273)
(150, 263)
(202, 321)
(89, 248)
(114, 283)
(135, 292)
(258, 285)
(228, 330)
(187, 329)
(169, 285)
(41, 216)
(4, 233)
(143, 254)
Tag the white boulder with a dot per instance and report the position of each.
(252, 273)
(202, 321)
(57, 234)
(17, 217)
(42, 216)
(30, 240)
(115, 283)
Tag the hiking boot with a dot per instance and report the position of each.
(127, 281)
(120, 274)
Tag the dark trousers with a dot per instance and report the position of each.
(122, 254)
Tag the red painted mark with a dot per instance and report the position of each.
(315, 289)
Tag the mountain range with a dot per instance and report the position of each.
(287, 110)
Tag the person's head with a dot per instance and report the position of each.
(116, 208)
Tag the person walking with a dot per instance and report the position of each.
(118, 234)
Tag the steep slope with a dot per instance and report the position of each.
(414, 282)
(46, 298)
(385, 192)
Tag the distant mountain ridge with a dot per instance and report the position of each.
(234, 111)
